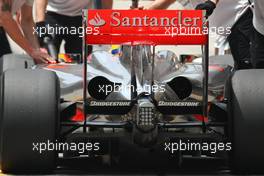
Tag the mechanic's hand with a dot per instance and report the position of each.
(42, 32)
(41, 57)
(209, 6)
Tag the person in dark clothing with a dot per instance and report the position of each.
(240, 38)
(240, 41)
(64, 15)
(258, 35)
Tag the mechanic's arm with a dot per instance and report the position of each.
(161, 4)
(27, 25)
(40, 8)
(13, 30)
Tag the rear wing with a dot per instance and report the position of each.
(152, 27)
(146, 27)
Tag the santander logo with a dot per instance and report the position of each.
(119, 18)
(97, 21)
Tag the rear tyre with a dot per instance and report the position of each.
(15, 61)
(29, 116)
(246, 121)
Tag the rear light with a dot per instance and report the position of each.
(145, 119)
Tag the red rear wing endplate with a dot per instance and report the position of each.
(153, 27)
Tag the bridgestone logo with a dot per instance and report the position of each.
(117, 103)
(179, 104)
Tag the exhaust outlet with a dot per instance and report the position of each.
(100, 87)
(181, 86)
